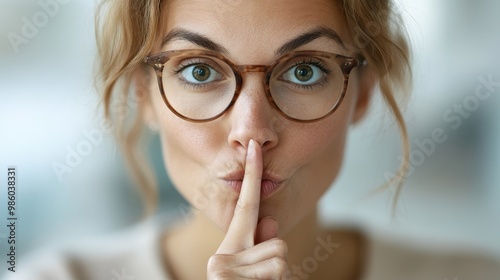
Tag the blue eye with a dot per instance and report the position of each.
(304, 74)
(200, 74)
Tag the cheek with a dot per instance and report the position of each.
(320, 146)
(324, 141)
(332, 138)
(316, 151)
(183, 141)
(321, 153)
(188, 148)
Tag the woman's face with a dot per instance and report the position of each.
(205, 159)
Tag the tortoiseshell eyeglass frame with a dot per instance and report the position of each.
(157, 61)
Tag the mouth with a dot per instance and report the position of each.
(269, 184)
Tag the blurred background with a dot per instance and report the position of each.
(72, 182)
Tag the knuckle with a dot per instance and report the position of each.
(217, 262)
(245, 206)
(217, 267)
(280, 262)
(280, 246)
(212, 263)
(280, 265)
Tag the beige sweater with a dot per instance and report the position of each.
(135, 255)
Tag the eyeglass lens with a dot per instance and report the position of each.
(303, 87)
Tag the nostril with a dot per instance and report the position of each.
(266, 144)
(239, 136)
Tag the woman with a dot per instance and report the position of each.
(258, 145)
(252, 101)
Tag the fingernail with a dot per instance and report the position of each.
(251, 149)
(272, 219)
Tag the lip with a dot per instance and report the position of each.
(270, 183)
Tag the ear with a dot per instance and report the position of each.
(141, 89)
(366, 84)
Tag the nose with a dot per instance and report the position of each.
(252, 117)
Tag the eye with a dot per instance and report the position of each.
(304, 74)
(199, 74)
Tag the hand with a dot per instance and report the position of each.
(250, 249)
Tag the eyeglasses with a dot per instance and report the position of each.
(201, 85)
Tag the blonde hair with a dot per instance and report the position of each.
(378, 31)
(126, 32)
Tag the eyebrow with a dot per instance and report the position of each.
(194, 38)
(310, 36)
(205, 42)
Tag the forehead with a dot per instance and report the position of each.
(257, 27)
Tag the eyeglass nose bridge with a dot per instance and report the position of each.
(253, 68)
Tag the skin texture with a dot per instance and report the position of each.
(307, 156)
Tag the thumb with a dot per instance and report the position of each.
(267, 229)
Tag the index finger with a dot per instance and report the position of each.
(241, 233)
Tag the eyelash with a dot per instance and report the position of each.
(185, 65)
(316, 63)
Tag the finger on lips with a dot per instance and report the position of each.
(241, 233)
